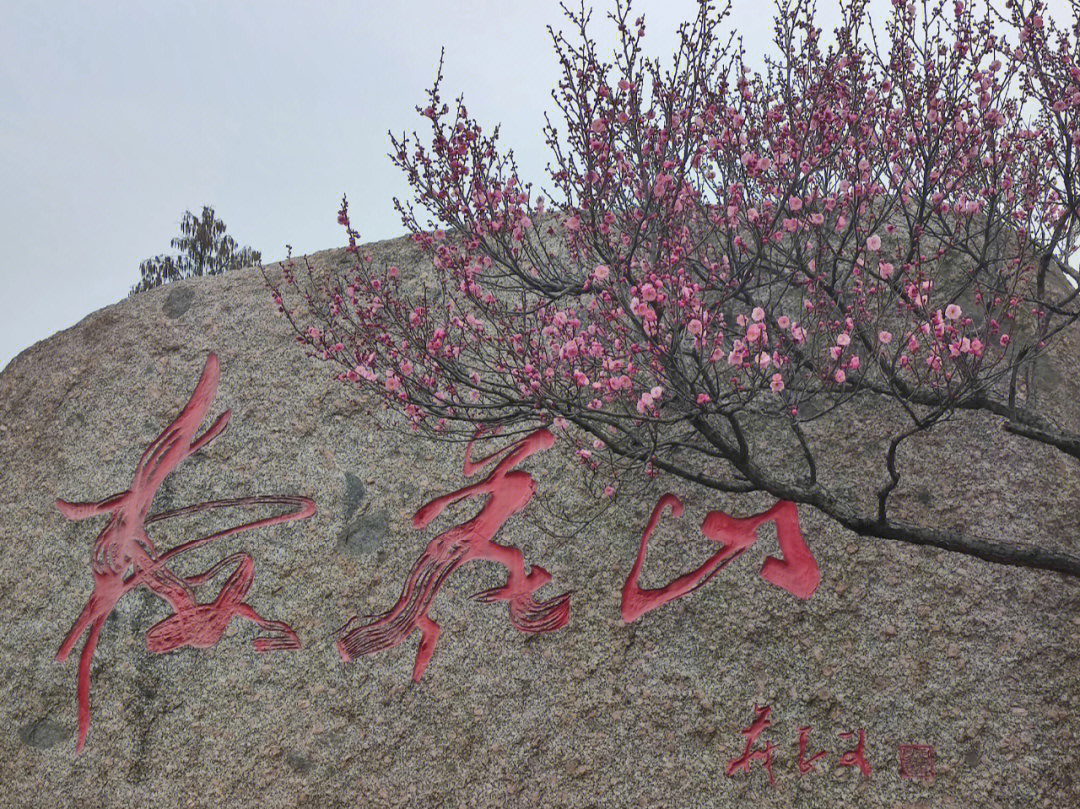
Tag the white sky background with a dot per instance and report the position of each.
(117, 117)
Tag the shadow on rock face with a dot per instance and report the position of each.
(43, 734)
(298, 763)
(354, 494)
(365, 534)
(178, 301)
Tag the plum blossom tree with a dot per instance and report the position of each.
(731, 258)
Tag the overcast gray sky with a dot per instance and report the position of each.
(116, 117)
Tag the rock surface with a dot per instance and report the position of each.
(913, 646)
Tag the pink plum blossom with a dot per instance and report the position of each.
(707, 204)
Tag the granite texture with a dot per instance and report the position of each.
(912, 645)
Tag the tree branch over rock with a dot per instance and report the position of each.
(730, 259)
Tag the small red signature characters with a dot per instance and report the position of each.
(917, 762)
(911, 756)
(797, 572)
(807, 765)
(856, 757)
(124, 557)
(764, 755)
(508, 492)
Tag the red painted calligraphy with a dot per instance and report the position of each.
(508, 492)
(856, 757)
(806, 765)
(750, 755)
(797, 572)
(124, 557)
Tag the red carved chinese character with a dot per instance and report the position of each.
(917, 762)
(856, 757)
(125, 558)
(749, 755)
(807, 764)
(508, 493)
(797, 572)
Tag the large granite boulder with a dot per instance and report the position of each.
(910, 646)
